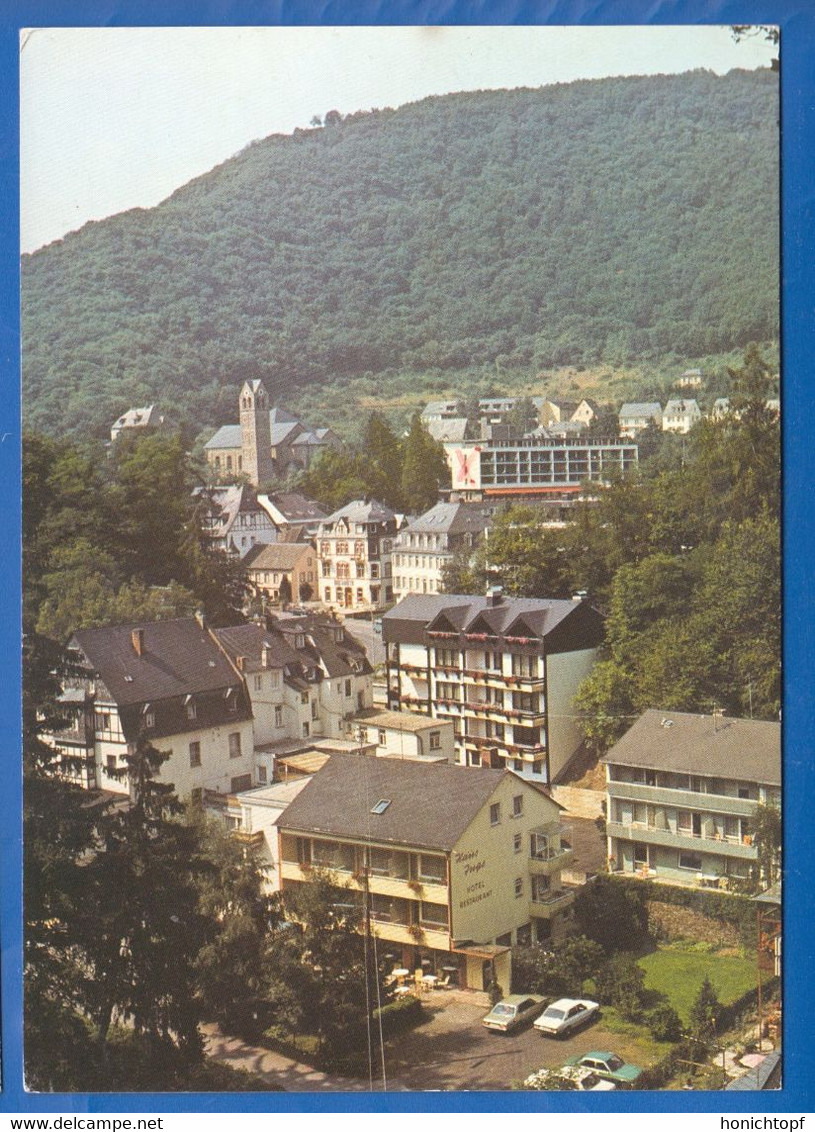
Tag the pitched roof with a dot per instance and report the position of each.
(227, 436)
(178, 657)
(399, 720)
(746, 749)
(275, 556)
(281, 424)
(362, 511)
(452, 518)
(321, 652)
(291, 506)
(681, 405)
(138, 418)
(540, 616)
(430, 804)
(450, 429)
(640, 408)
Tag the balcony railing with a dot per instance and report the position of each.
(694, 843)
(547, 906)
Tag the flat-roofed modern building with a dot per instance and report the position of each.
(504, 670)
(454, 867)
(535, 465)
(681, 792)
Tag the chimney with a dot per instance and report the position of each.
(137, 640)
(199, 617)
(265, 654)
(240, 662)
(495, 595)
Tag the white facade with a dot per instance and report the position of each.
(680, 416)
(403, 735)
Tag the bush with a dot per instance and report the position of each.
(621, 983)
(664, 1023)
(739, 911)
(536, 970)
(400, 1015)
(613, 914)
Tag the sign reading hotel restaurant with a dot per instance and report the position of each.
(477, 889)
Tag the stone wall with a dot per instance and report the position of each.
(672, 921)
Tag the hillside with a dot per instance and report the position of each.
(608, 221)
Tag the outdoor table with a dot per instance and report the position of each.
(429, 981)
(400, 972)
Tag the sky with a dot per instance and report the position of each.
(118, 118)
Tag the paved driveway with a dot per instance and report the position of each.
(450, 1051)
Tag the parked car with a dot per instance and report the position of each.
(607, 1065)
(566, 1015)
(513, 1011)
(378, 625)
(568, 1079)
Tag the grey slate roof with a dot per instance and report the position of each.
(431, 804)
(452, 518)
(293, 506)
(640, 409)
(178, 658)
(540, 617)
(281, 424)
(451, 429)
(745, 749)
(360, 511)
(227, 436)
(320, 653)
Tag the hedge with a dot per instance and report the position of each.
(739, 911)
(400, 1015)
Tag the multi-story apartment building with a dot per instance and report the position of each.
(169, 682)
(504, 670)
(305, 677)
(535, 466)
(355, 547)
(451, 868)
(427, 544)
(681, 792)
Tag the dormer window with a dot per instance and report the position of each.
(300, 641)
(148, 716)
(231, 700)
(192, 711)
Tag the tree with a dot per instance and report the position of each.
(324, 978)
(522, 417)
(621, 983)
(284, 591)
(536, 970)
(767, 837)
(612, 914)
(382, 450)
(704, 1012)
(424, 468)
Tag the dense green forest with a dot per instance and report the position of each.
(592, 223)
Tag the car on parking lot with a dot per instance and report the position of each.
(570, 1078)
(610, 1066)
(513, 1011)
(566, 1015)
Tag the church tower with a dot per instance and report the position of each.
(256, 433)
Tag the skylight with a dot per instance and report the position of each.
(381, 806)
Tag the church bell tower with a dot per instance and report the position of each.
(256, 433)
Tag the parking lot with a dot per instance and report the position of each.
(452, 1050)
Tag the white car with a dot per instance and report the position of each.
(569, 1078)
(566, 1015)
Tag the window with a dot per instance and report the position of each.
(517, 842)
(640, 855)
(433, 915)
(259, 683)
(110, 763)
(539, 847)
(435, 740)
(650, 778)
(304, 697)
(691, 861)
(383, 737)
(231, 701)
(519, 887)
(262, 775)
(235, 745)
(348, 687)
(195, 754)
(432, 870)
(192, 711)
(278, 716)
(359, 594)
(306, 730)
(313, 709)
(518, 805)
(149, 719)
(541, 887)
(495, 813)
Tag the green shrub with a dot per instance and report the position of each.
(400, 1015)
(664, 1023)
(621, 983)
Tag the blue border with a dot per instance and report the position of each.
(797, 20)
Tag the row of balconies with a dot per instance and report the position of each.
(693, 842)
(684, 799)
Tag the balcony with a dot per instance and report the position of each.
(412, 935)
(549, 907)
(747, 852)
(395, 887)
(552, 862)
(682, 799)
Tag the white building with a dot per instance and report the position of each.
(636, 416)
(306, 676)
(428, 544)
(680, 415)
(505, 671)
(234, 519)
(166, 681)
(405, 735)
(355, 547)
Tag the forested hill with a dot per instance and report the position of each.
(616, 220)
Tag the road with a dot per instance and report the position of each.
(362, 628)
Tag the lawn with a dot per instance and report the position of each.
(679, 973)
